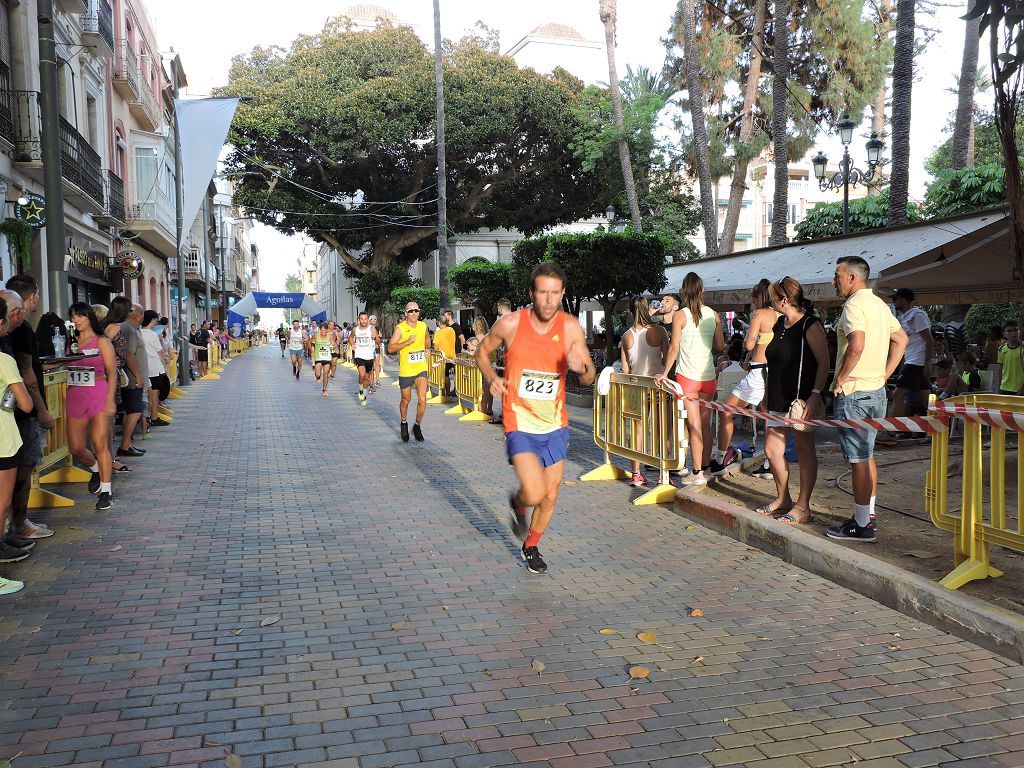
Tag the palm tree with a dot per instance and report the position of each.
(709, 212)
(963, 127)
(902, 88)
(780, 133)
(608, 12)
(739, 173)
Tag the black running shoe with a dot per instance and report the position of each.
(94, 482)
(534, 562)
(405, 432)
(19, 542)
(764, 472)
(417, 433)
(850, 531)
(104, 501)
(520, 525)
(9, 554)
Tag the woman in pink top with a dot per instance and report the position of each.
(92, 382)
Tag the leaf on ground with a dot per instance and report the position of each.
(70, 528)
(538, 666)
(922, 554)
(268, 620)
(397, 625)
(239, 631)
(692, 527)
(895, 648)
(639, 673)
(696, 612)
(7, 763)
(212, 743)
(488, 672)
(233, 761)
(648, 637)
(764, 638)
(115, 549)
(570, 482)
(698, 660)
(753, 549)
(607, 631)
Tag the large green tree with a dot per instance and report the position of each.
(482, 284)
(987, 147)
(871, 212)
(336, 139)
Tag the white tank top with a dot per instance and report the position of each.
(695, 361)
(644, 360)
(364, 342)
(295, 339)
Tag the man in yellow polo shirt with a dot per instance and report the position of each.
(871, 344)
(444, 340)
(1011, 357)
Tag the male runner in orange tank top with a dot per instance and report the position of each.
(542, 342)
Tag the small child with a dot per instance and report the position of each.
(967, 380)
(943, 369)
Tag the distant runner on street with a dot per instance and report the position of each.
(365, 340)
(542, 342)
(321, 344)
(297, 347)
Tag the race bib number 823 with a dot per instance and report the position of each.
(539, 385)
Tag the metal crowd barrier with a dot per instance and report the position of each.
(57, 465)
(469, 391)
(436, 379)
(639, 421)
(973, 530)
(172, 374)
(212, 360)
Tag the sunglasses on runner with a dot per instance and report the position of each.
(409, 311)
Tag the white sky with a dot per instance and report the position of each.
(207, 33)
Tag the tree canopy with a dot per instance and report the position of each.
(986, 144)
(965, 190)
(481, 284)
(871, 212)
(336, 139)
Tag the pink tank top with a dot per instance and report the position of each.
(93, 361)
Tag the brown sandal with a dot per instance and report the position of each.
(766, 510)
(790, 519)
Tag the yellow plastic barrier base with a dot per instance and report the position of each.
(438, 400)
(165, 417)
(662, 494)
(969, 570)
(605, 472)
(41, 499)
(458, 410)
(66, 475)
(213, 376)
(165, 411)
(475, 416)
(176, 393)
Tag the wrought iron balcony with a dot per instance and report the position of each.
(72, 6)
(28, 140)
(126, 74)
(113, 213)
(98, 29)
(144, 108)
(80, 163)
(150, 207)
(7, 124)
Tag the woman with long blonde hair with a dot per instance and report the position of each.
(644, 347)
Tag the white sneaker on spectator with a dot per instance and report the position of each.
(33, 524)
(29, 531)
(694, 479)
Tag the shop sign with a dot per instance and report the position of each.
(33, 212)
(87, 259)
(132, 265)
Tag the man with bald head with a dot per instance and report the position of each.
(131, 396)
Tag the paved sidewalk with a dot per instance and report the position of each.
(408, 631)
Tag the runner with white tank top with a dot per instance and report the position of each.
(296, 347)
(365, 340)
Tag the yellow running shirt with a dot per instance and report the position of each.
(412, 360)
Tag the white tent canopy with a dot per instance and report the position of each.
(957, 260)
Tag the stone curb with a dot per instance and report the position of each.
(996, 629)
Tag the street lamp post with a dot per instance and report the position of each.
(847, 175)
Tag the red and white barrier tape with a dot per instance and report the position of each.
(990, 416)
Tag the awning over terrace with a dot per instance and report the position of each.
(957, 260)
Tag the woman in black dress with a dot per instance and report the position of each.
(797, 332)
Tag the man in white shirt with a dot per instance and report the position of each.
(914, 383)
(159, 384)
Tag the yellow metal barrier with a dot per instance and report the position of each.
(172, 374)
(436, 379)
(972, 530)
(57, 465)
(469, 391)
(639, 421)
(212, 354)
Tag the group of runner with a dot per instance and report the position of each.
(324, 343)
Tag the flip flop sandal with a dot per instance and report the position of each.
(123, 468)
(767, 511)
(790, 519)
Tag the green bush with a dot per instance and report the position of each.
(481, 284)
(429, 300)
(981, 317)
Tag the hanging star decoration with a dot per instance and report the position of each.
(33, 212)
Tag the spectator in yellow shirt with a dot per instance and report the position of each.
(1011, 357)
(444, 340)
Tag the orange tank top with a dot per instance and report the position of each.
(535, 366)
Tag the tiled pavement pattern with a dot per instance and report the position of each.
(408, 627)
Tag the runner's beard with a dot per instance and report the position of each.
(545, 314)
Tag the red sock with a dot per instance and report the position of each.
(533, 539)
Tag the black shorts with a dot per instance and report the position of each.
(912, 378)
(335, 356)
(362, 362)
(161, 384)
(322, 362)
(9, 462)
(203, 355)
(131, 399)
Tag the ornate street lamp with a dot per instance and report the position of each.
(847, 175)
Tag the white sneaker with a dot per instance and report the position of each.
(32, 524)
(700, 478)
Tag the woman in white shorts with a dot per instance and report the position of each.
(750, 391)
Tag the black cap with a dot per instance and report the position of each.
(903, 293)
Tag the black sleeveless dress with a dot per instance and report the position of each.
(783, 354)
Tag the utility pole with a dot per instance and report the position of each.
(52, 185)
(442, 179)
(207, 261)
(179, 226)
(221, 247)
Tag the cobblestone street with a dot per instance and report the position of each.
(283, 580)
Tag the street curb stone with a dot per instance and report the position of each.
(991, 627)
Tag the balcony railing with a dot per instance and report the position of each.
(7, 130)
(100, 21)
(113, 198)
(150, 206)
(80, 163)
(145, 107)
(28, 138)
(126, 70)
